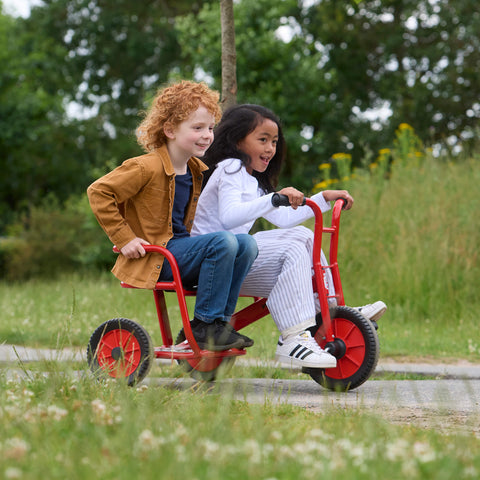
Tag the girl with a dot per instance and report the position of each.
(247, 154)
(151, 199)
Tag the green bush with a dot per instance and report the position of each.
(53, 239)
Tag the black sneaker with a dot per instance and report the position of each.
(247, 340)
(215, 336)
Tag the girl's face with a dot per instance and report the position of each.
(193, 136)
(260, 145)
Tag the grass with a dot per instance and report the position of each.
(75, 428)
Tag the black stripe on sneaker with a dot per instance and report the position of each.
(301, 352)
(306, 355)
(292, 353)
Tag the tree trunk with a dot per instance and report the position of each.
(229, 55)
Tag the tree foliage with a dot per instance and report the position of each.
(75, 75)
(36, 143)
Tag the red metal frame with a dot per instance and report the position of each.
(189, 349)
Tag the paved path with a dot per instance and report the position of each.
(11, 353)
(445, 395)
(452, 401)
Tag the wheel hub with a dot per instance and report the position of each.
(117, 353)
(337, 348)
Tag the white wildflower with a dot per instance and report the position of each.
(12, 473)
(397, 450)
(470, 471)
(424, 452)
(57, 413)
(15, 448)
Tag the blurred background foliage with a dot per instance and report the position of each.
(343, 76)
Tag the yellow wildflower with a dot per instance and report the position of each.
(321, 185)
(341, 156)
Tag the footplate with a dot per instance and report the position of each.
(182, 351)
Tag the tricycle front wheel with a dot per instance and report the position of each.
(356, 348)
(120, 348)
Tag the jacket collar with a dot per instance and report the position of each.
(195, 164)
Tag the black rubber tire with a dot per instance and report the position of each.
(207, 373)
(120, 348)
(356, 347)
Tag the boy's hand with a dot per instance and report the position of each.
(134, 249)
(332, 195)
(295, 197)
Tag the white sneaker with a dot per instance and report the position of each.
(303, 351)
(372, 311)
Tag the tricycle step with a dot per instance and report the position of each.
(180, 352)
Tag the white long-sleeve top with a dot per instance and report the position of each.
(232, 200)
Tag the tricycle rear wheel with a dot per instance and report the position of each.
(356, 348)
(205, 369)
(120, 348)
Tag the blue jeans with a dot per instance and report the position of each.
(217, 264)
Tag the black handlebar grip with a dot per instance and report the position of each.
(280, 200)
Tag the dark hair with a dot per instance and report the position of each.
(236, 123)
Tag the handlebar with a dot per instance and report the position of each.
(148, 249)
(280, 200)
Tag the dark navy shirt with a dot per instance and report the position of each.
(183, 187)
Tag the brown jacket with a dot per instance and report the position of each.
(136, 200)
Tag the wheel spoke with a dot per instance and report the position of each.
(354, 357)
(344, 329)
(109, 340)
(131, 345)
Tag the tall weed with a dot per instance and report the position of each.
(412, 240)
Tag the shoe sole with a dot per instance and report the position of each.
(220, 348)
(301, 363)
(377, 315)
(217, 348)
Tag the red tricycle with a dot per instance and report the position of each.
(121, 348)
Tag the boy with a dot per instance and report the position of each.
(151, 199)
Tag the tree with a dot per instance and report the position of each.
(102, 57)
(229, 55)
(418, 57)
(35, 140)
(118, 52)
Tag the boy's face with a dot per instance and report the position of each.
(193, 136)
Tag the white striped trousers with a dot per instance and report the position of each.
(282, 272)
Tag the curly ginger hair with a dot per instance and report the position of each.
(171, 106)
